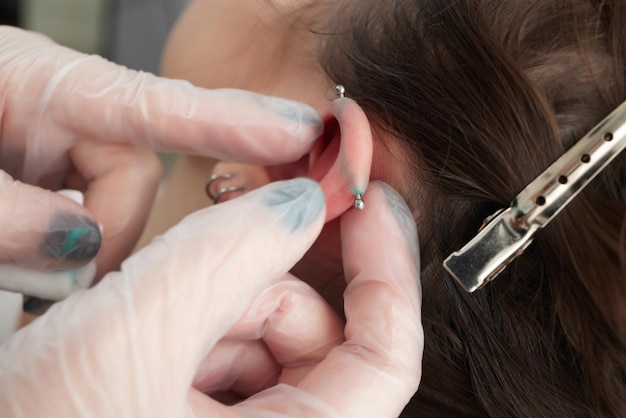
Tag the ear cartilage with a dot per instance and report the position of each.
(340, 91)
(359, 204)
(345, 165)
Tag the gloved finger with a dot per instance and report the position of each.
(286, 332)
(295, 322)
(239, 366)
(90, 97)
(42, 229)
(377, 370)
(156, 319)
(121, 184)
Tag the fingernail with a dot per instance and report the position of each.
(300, 201)
(72, 237)
(403, 215)
(36, 306)
(305, 116)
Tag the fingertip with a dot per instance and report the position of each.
(301, 120)
(300, 202)
(36, 306)
(403, 215)
(71, 237)
(383, 200)
(42, 229)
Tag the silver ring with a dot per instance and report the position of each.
(212, 179)
(225, 190)
(221, 192)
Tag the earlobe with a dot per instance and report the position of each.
(343, 160)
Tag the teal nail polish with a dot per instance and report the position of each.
(72, 237)
(300, 201)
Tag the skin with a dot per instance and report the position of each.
(255, 45)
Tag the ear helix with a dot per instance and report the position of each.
(346, 182)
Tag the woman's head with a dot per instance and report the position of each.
(484, 95)
(468, 102)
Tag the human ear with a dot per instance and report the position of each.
(342, 158)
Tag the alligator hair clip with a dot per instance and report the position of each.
(508, 232)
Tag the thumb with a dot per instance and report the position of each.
(208, 270)
(149, 326)
(42, 229)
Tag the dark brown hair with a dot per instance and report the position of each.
(485, 94)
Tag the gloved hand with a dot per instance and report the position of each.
(211, 308)
(70, 120)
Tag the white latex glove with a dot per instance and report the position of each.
(70, 120)
(210, 308)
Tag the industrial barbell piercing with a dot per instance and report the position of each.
(221, 192)
(359, 203)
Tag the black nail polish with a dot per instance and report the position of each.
(36, 306)
(72, 237)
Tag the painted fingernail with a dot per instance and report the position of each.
(36, 306)
(72, 237)
(403, 215)
(305, 116)
(300, 201)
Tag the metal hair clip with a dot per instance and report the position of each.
(508, 232)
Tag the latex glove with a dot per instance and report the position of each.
(74, 120)
(210, 307)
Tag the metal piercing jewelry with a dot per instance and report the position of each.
(359, 203)
(340, 91)
(221, 192)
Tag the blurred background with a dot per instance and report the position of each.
(129, 32)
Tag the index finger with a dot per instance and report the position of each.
(72, 95)
(175, 116)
